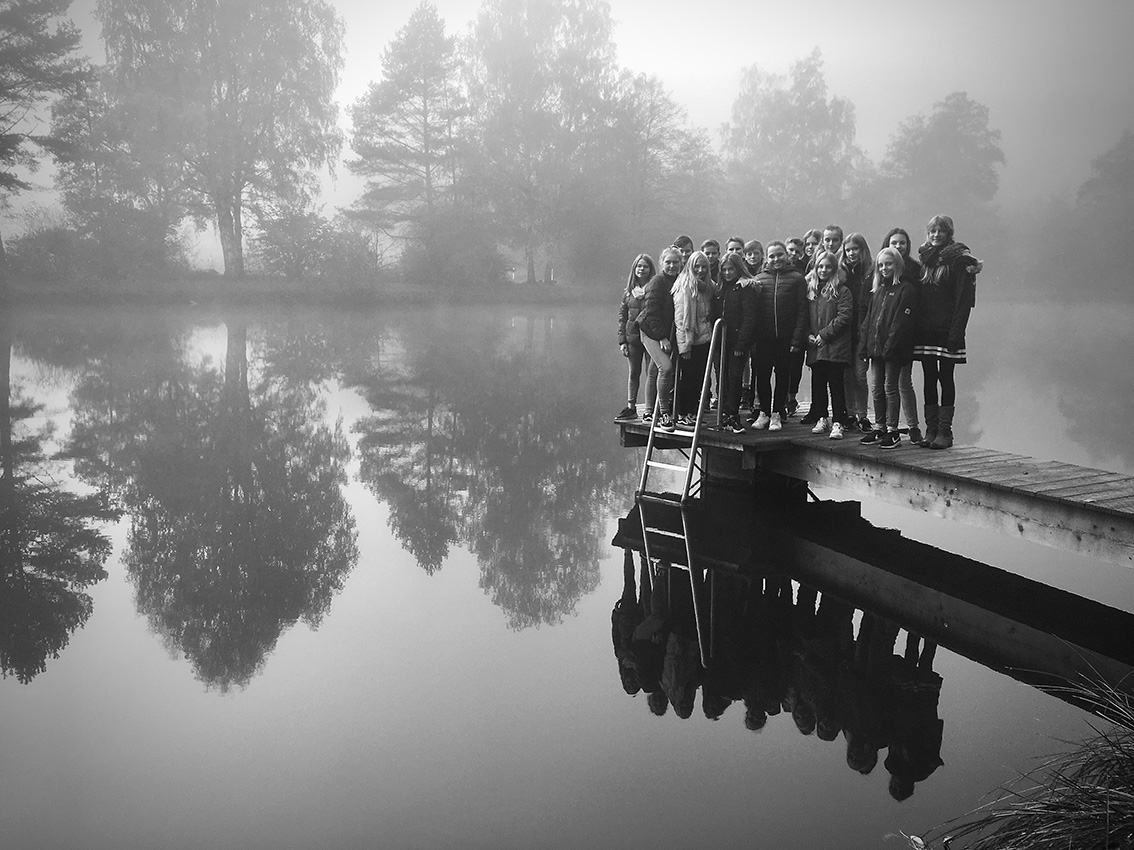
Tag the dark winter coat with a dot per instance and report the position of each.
(947, 295)
(781, 308)
(887, 330)
(739, 305)
(858, 278)
(628, 312)
(656, 317)
(830, 318)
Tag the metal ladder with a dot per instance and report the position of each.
(692, 452)
(650, 502)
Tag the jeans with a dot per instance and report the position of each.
(659, 380)
(854, 380)
(732, 382)
(887, 399)
(909, 398)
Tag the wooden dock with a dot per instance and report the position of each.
(1037, 634)
(1074, 508)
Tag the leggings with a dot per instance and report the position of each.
(636, 354)
(937, 370)
(826, 374)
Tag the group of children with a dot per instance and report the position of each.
(858, 321)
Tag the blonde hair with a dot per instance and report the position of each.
(813, 281)
(899, 266)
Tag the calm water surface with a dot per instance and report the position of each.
(359, 581)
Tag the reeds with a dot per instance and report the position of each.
(1081, 799)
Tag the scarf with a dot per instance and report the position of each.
(937, 259)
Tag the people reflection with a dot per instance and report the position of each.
(780, 646)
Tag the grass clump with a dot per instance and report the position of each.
(1082, 799)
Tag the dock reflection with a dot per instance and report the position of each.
(810, 611)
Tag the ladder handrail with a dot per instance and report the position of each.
(717, 341)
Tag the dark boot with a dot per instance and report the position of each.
(944, 437)
(930, 411)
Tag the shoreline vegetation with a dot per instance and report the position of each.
(1081, 798)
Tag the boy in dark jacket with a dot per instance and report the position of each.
(781, 328)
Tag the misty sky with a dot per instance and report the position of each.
(1058, 77)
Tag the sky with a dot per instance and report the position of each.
(1058, 77)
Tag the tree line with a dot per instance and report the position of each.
(522, 142)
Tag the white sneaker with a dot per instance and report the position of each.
(821, 426)
(836, 431)
(762, 421)
(775, 424)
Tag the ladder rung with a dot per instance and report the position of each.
(662, 531)
(651, 499)
(663, 465)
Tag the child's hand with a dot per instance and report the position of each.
(625, 350)
(976, 268)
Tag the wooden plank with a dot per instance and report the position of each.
(1074, 527)
(1047, 472)
(1000, 473)
(1120, 505)
(981, 468)
(1087, 476)
(1088, 484)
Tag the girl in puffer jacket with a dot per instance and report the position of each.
(829, 350)
(629, 337)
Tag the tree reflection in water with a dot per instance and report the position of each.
(239, 527)
(51, 546)
(489, 436)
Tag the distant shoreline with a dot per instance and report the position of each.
(215, 290)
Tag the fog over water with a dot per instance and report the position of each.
(1058, 78)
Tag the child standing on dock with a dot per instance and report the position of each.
(781, 329)
(829, 351)
(899, 240)
(948, 293)
(655, 322)
(886, 339)
(857, 270)
(738, 304)
(629, 336)
(693, 295)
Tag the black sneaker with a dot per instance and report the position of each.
(626, 414)
(665, 422)
(890, 440)
(872, 437)
(864, 425)
(735, 425)
(915, 435)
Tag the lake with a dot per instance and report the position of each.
(345, 580)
